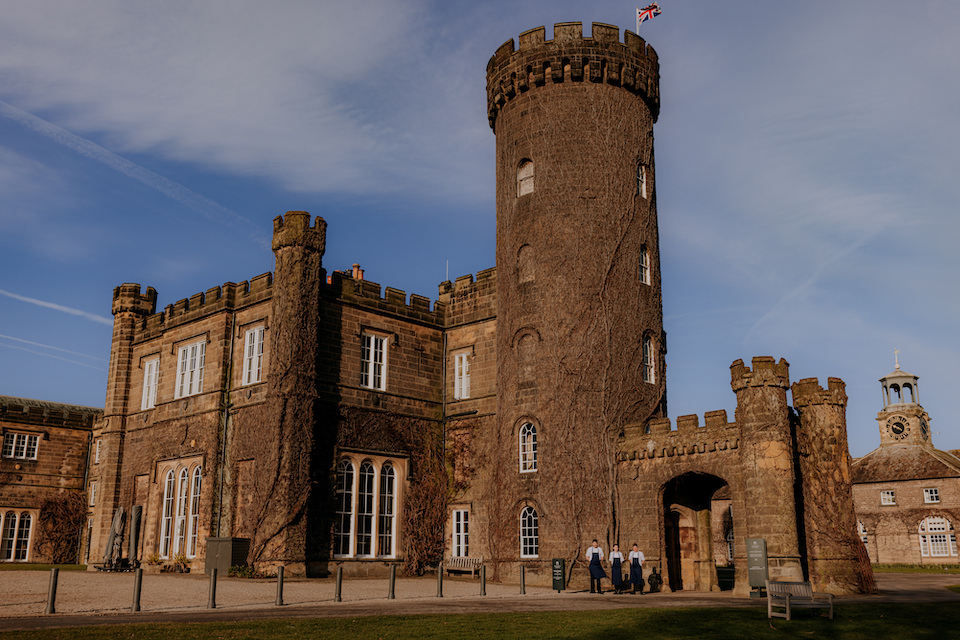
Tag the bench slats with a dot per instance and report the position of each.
(789, 595)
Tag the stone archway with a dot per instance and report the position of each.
(689, 539)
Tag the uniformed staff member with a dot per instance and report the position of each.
(636, 558)
(595, 556)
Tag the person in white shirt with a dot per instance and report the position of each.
(616, 573)
(636, 559)
(595, 556)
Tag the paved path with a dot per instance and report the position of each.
(85, 599)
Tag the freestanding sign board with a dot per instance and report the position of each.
(757, 562)
(559, 571)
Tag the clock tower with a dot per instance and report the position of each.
(902, 420)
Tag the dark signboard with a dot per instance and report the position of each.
(757, 562)
(559, 572)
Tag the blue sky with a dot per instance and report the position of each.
(806, 172)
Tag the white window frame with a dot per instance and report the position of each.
(16, 535)
(461, 376)
(937, 538)
(644, 265)
(190, 364)
(166, 517)
(151, 373)
(649, 361)
(527, 440)
(641, 180)
(21, 446)
(888, 497)
(931, 495)
(460, 526)
(181, 514)
(367, 499)
(529, 533)
(96, 451)
(193, 524)
(93, 494)
(373, 360)
(253, 355)
(525, 173)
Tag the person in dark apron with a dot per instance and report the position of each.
(595, 556)
(616, 573)
(636, 558)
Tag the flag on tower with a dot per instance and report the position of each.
(647, 13)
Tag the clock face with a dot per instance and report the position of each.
(924, 428)
(898, 427)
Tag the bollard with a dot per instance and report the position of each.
(137, 582)
(52, 592)
(393, 581)
(439, 580)
(336, 595)
(212, 602)
(523, 580)
(279, 602)
(483, 579)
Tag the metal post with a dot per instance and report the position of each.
(439, 580)
(52, 592)
(279, 602)
(212, 602)
(137, 582)
(336, 595)
(523, 580)
(391, 594)
(483, 579)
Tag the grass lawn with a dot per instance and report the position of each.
(852, 622)
(916, 568)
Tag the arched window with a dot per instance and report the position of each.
(649, 369)
(166, 520)
(528, 448)
(525, 178)
(365, 510)
(644, 265)
(937, 538)
(180, 523)
(529, 533)
(342, 529)
(23, 537)
(194, 512)
(8, 534)
(387, 510)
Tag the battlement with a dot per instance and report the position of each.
(128, 299)
(344, 287)
(39, 413)
(294, 229)
(766, 372)
(808, 392)
(468, 300)
(571, 57)
(689, 438)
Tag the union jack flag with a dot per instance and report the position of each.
(647, 13)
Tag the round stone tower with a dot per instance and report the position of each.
(580, 341)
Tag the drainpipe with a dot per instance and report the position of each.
(222, 456)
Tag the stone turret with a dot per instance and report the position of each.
(836, 559)
(580, 339)
(284, 485)
(766, 445)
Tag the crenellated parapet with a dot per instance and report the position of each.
(468, 300)
(295, 229)
(342, 287)
(766, 372)
(571, 57)
(808, 392)
(657, 439)
(128, 299)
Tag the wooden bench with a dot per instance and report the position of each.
(463, 563)
(788, 595)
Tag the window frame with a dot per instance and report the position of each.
(365, 527)
(642, 180)
(373, 344)
(649, 361)
(21, 446)
(151, 376)
(937, 532)
(166, 514)
(529, 533)
(931, 495)
(460, 530)
(253, 341)
(527, 442)
(644, 263)
(525, 177)
(191, 361)
(888, 497)
(92, 502)
(461, 375)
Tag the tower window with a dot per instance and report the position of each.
(649, 370)
(525, 178)
(373, 368)
(644, 265)
(529, 533)
(641, 180)
(528, 448)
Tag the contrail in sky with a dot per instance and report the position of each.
(47, 346)
(59, 307)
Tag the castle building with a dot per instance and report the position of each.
(907, 492)
(43, 465)
(326, 421)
